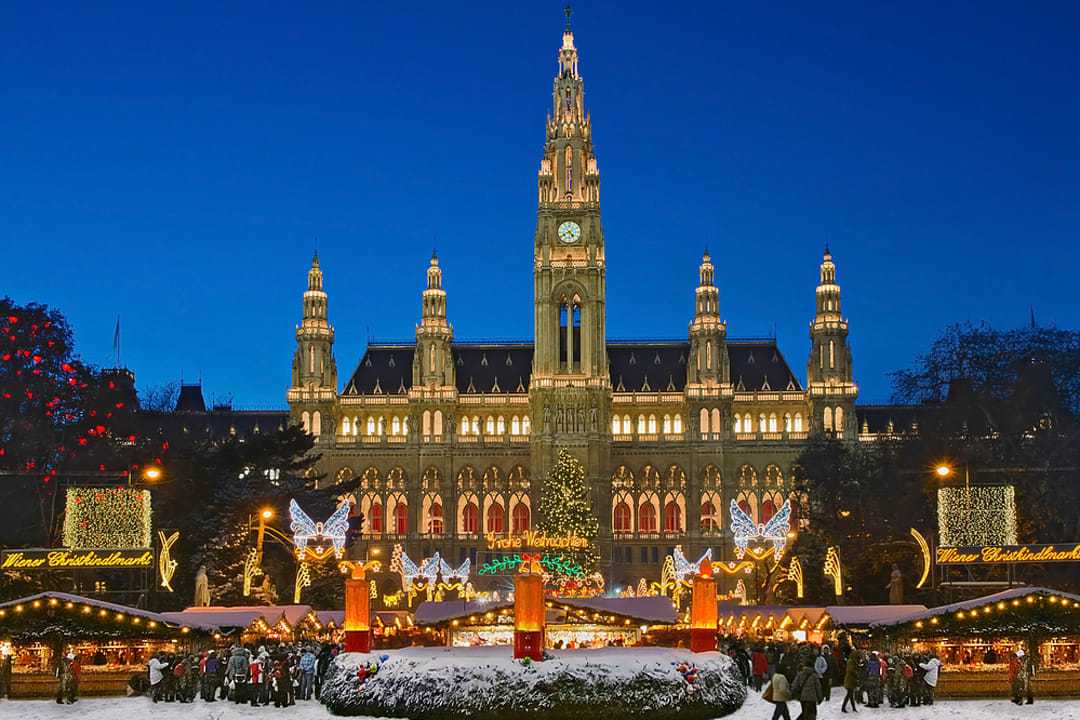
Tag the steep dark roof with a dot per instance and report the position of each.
(190, 399)
(877, 418)
(216, 425)
(636, 365)
(758, 365)
(648, 366)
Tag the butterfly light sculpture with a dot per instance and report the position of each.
(683, 567)
(775, 531)
(461, 573)
(306, 530)
(428, 570)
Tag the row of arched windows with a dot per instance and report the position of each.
(647, 424)
(833, 421)
(648, 513)
(373, 426)
(311, 422)
(494, 426)
(771, 423)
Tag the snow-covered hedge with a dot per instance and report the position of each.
(486, 683)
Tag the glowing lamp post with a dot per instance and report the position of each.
(703, 610)
(529, 611)
(357, 610)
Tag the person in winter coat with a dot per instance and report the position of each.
(821, 667)
(778, 693)
(237, 673)
(157, 668)
(759, 665)
(873, 680)
(66, 673)
(931, 668)
(255, 677)
(851, 681)
(307, 672)
(210, 668)
(1021, 674)
(807, 688)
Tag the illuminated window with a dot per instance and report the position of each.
(828, 419)
(839, 419)
(787, 422)
(525, 425)
(672, 517)
(436, 519)
(515, 425)
(316, 423)
(395, 426)
(647, 518)
(626, 425)
(761, 423)
(667, 425)
(345, 426)
(832, 354)
(470, 518)
(772, 422)
(437, 424)
(520, 519)
(376, 518)
(495, 518)
(798, 422)
(676, 424)
(652, 424)
(704, 421)
(622, 522)
(500, 426)
(641, 424)
(489, 426)
(615, 425)
(401, 518)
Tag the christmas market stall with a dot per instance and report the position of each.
(112, 642)
(248, 623)
(975, 638)
(570, 622)
(806, 624)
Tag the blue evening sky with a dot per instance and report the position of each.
(177, 163)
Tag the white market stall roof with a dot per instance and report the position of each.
(63, 597)
(656, 610)
(856, 616)
(979, 602)
(238, 617)
(83, 612)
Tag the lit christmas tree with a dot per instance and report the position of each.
(566, 508)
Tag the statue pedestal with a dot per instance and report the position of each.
(529, 644)
(358, 641)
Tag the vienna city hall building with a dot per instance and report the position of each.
(452, 439)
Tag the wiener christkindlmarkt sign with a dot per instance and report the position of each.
(988, 554)
(60, 559)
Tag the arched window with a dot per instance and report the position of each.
(463, 426)
(437, 424)
(376, 519)
(495, 518)
(371, 426)
(475, 425)
(519, 522)
(626, 425)
(615, 425)
(772, 422)
(525, 427)
(515, 425)
(355, 426)
(787, 422)
(436, 519)
(489, 426)
(738, 423)
(708, 516)
(676, 424)
(345, 426)
(839, 419)
(305, 421)
(470, 518)
(832, 354)
(828, 419)
(798, 422)
(316, 423)
(708, 354)
(652, 424)
(395, 425)
(621, 521)
(500, 426)
(647, 518)
(761, 423)
(768, 509)
(431, 358)
(379, 427)
(641, 424)
(717, 427)
(667, 425)
(672, 517)
(401, 518)
(704, 421)
(425, 423)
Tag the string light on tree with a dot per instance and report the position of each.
(107, 518)
(566, 509)
(979, 515)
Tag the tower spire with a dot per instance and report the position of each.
(829, 369)
(314, 370)
(708, 333)
(567, 11)
(433, 365)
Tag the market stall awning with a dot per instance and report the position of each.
(1016, 610)
(755, 617)
(637, 610)
(863, 616)
(229, 619)
(75, 615)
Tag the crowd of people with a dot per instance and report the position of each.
(258, 675)
(808, 674)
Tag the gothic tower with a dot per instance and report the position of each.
(570, 386)
(433, 365)
(829, 374)
(314, 372)
(708, 374)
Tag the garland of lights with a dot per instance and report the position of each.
(107, 518)
(43, 618)
(556, 565)
(980, 515)
(1035, 613)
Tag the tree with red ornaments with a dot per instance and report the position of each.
(59, 416)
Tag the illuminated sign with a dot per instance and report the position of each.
(553, 564)
(988, 554)
(51, 559)
(532, 539)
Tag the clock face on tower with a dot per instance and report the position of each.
(569, 232)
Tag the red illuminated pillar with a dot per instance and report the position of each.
(357, 612)
(703, 610)
(529, 616)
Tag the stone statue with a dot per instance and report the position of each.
(896, 586)
(202, 588)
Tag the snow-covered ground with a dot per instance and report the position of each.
(754, 709)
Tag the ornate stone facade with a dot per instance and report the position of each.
(452, 440)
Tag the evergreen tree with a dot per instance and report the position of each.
(566, 508)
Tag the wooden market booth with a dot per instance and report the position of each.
(570, 622)
(815, 624)
(113, 642)
(974, 638)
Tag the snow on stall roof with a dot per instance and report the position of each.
(1010, 594)
(866, 615)
(240, 616)
(99, 604)
(658, 610)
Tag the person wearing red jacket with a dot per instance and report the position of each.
(759, 666)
